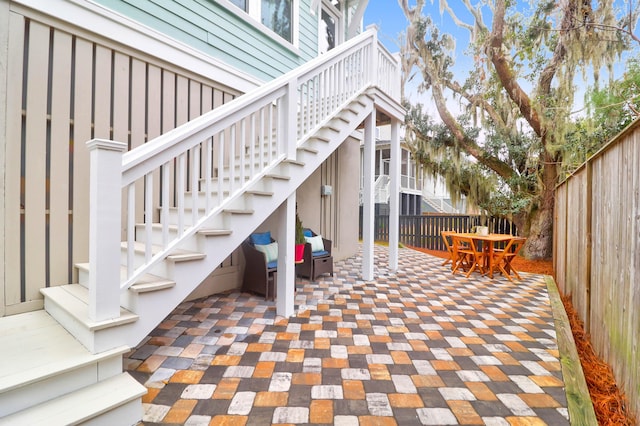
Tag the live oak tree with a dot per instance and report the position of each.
(505, 150)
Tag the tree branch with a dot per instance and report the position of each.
(505, 73)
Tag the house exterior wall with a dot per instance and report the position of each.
(224, 31)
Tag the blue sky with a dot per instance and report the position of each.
(388, 16)
(390, 19)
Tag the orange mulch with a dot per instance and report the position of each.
(608, 401)
(519, 263)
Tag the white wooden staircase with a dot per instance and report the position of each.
(190, 198)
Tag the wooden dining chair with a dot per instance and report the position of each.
(467, 254)
(502, 259)
(446, 238)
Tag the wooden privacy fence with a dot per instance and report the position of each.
(65, 90)
(424, 231)
(597, 254)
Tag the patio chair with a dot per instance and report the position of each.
(448, 243)
(503, 258)
(467, 255)
(317, 259)
(261, 262)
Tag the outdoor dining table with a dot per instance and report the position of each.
(488, 245)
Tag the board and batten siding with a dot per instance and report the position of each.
(597, 254)
(64, 88)
(230, 36)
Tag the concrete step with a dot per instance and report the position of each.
(69, 305)
(114, 401)
(41, 360)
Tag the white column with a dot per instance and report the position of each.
(394, 195)
(4, 65)
(105, 201)
(286, 257)
(367, 196)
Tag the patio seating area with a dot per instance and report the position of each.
(417, 347)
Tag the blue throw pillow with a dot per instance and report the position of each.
(261, 238)
(307, 233)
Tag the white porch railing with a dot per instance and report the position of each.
(438, 202)
(381, 189)
(220, 153)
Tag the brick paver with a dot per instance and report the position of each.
(420, 346)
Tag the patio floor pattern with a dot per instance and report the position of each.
(417, 347)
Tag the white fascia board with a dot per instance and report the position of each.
(105, 22)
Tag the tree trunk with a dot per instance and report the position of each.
(539, 243)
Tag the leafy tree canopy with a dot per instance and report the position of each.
(505, 150)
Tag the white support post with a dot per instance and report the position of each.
(368, 196)
(394, 194)
(289, 120)
(286, 257)
(105, 200)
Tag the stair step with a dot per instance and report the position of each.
(239, 211)
(42, 360)
(294, 162)
(37, 347)
(145, 284)
(178, 255)
(116, 399)
(278, 176)
(74, 300)
(308, 149)
(216, 232)
(259, 193)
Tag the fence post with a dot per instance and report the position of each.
(105, 199)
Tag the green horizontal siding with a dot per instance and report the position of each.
(214, 30)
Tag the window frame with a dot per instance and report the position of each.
(254, 16)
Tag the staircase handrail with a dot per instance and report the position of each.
(313, 93)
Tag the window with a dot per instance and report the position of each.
(327, 32)
(276, 15)
(242, 4)
(330, 32)
(279, 16)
